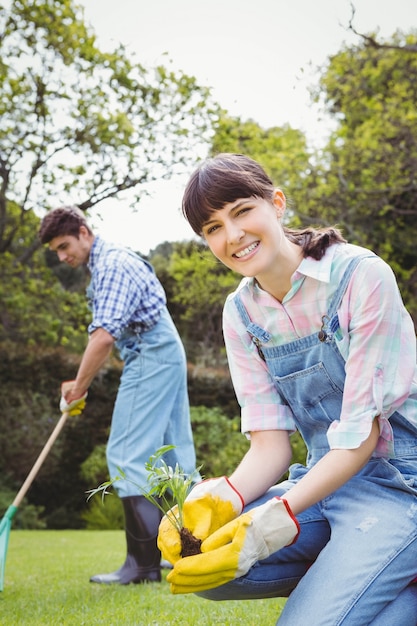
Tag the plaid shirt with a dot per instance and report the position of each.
(376, 338)
(124, 291)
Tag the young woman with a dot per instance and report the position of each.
(318, 340)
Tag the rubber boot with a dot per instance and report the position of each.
(143, 556)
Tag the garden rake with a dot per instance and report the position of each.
(6, 522)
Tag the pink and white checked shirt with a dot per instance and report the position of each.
(376, 338)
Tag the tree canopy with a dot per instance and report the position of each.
(367, 178)
(364, 179)
(77, 125)
(283, 151)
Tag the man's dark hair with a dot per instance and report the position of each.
(65, 220)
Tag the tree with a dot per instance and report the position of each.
(367, 180)
(78, 125)
(373, 42)
(282, 151)
(35, 308)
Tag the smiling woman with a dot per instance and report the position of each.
(312, 335)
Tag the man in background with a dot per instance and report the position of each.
(129, 312)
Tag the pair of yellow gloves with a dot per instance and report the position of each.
(231, 541)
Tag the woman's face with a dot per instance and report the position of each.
(246, 235)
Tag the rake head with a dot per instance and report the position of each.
(5, 526)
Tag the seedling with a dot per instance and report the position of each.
(164, 485)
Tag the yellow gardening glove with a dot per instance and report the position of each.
(169, 541)
(75, 407)
(210, 504)
(232, 550)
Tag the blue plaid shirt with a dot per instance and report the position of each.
(124, 291)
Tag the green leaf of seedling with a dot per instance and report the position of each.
(162, 479)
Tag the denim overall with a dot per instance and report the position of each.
(372, 519)
(152, 407)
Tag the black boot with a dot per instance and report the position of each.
(143, 556)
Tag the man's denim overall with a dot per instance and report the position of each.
(152, 407)
(371, 520)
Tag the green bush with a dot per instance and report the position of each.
(218, 441)
(94, 469)
(27, 517)
(100, 514)
(104, 514)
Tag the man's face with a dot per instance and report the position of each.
(72, 250)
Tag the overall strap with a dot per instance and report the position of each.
(258, 334)
(89, 293)
(137, 256)
(331, 320)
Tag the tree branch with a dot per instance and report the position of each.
(372, 42)
(110, 192)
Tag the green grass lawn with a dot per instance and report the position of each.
(47, 584)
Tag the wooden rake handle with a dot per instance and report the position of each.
(44, 453)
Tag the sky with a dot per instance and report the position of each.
(257, 56)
